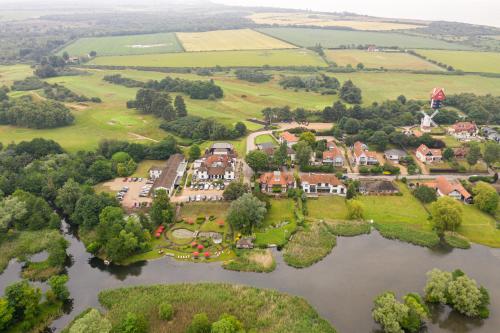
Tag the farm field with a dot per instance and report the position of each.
(467, 61)
(125, 45)
(325, 20)
(387, 60)
(9, 74)
(253, 58)
(229, 40)
(308, 37)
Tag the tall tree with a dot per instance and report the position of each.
(246, 213)
(303, 153)
(194, 152)
(257, 160)
(180, 106)
(446, 214)
(486, 198)
(491, 153)
(161, 210)
(474, 154)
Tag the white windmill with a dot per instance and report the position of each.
(427, 122)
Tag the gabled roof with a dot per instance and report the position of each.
(424, 150)
(333, 154)
(464, 126)
(377, 186)
(169, 173)
(398, 152)
(446, 187)
(289, 137)
(316, 178)
(222, 145)
(277, 178)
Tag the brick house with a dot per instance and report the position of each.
(276, 182)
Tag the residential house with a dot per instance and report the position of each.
(221, 148)
(395, 155)
(428, 155)
(270, 149)
(452, 189)
(288, 138)
(463, 130)
(377, 187)
(276, 182)
(362, 156)
(460, 152)
(171, 175)
(333, 155)
(317, 183)
(491, 134)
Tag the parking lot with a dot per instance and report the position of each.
(131, 189)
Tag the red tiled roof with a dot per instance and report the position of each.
(276, 178)
(464, 126)
(289, 137)
(358, 148)
(424, 150)
(332, 154)
(316, 178)
(445, 187)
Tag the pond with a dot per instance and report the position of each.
(341, 287)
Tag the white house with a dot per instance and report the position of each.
(171, 174)
(427, 155)
(316, 183)
(288, 138)
(362, 156)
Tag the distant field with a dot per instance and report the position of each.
(336, 38)
(326, 20)
(297, 57)
(125, 45)
(388, 60)
(229, 40)
(8, 74)
(468, 61)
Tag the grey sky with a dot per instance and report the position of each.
(485, 12)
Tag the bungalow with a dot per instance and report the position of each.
(288, 138)
(322, 183)
(377, 187)
(276, 182)
(333, 155)
(427, 155)
(452, 189)
(463, 130)
(362, 156)
(491, 134)
(171, 174)
(394, 155)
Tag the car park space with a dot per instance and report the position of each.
(131, 191)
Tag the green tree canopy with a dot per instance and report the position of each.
(246, 213)
(446, 214)
(92, 322)
(486, 198)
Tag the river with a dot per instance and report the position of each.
(341, 287)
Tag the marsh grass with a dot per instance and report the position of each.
(408, 233)
(257, 260)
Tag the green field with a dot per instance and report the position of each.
(8, 74)
(265, 138)
(125, 45)
(295, 57)
(387, 60)
(467, 61)
(306, 37)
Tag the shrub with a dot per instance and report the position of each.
(166, 311)
(408, 234)
(199, 324)
(133, 323)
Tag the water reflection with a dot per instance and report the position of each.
(341, 287)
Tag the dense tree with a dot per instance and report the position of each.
(12, 210)
(227, 324)
(257, 160)
(437, 285)
(351, 126)
(199, 324)
(68, 195)
(486, 198)
(303, 153)
(280, 155)
(57, 284)
(161, 210)
(124, 81)
(448, 154)
(195, 89)
(390, 313)
(91, 322)
(201, 128)
(240, 128)
(491, 153)
(474, 154)
(251, 75)
(89, 206)
(101, 170)
(308, 137)
(246, 213)
(6, 314)
(425, 194)
(350, 93)
(380, 140)
(180, 106)
(194, 152)
(133, 323)
(446, 214)
(25, 301)
(235, 190)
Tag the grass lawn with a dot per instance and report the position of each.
(144, 166)
(479, 227)
(259, 310)
(9, 74)
(308, 37)
(388, 60)
(193, 210)
(327, 207)
(281, 210)
(257, 58)
(264, 138)
(227, 40)
(124, 45)
(395, 209)
(468, 61)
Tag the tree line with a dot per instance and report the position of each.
(198, 128)
(194, 89)
(159, 104)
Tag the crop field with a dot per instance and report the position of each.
(298, 57)
(326, 20)
(307, 37)
(125, 45)
(230, 40)
(387, 60)
(468, 61)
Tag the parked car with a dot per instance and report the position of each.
(198, 197)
